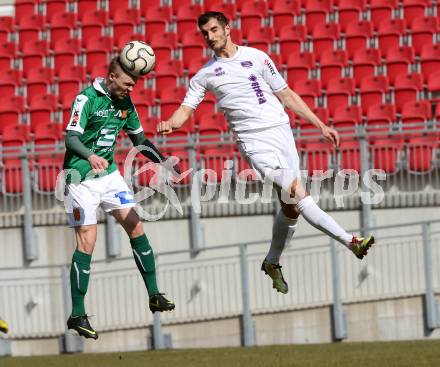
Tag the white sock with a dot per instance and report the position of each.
(282, 232)
(319, 219)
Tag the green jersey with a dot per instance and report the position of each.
(99, 119)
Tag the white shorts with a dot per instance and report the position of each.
(81, 200)
(272, 153)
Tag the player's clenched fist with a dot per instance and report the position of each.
(98, 163)
(164, 127)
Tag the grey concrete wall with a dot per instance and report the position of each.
(397, 319)
(56, 243)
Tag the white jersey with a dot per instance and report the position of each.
(244, 86)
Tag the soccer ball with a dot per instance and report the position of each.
(137, 58)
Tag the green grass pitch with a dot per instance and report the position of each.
(377, 354)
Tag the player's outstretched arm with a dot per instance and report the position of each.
(295, 103)
(178, 118)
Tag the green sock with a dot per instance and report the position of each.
(144, 257)
(79, 281)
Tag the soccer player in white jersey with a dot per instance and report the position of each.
(252, 94)
(98, 114)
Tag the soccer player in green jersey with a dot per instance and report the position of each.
(98, 114)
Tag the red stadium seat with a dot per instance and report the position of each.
(365, 62)
(430, 59)
(423, 30)
(382, 10)
(349, 10)
(345, 119)
(415, 115)
(54, 7)
(9, 82)
(260, 38)
(47, 134)
(332, 65)
(390, 32)
(216, 121)
(252, 14)
(206, 107)
(316, 12)
(380, 119)
(186, 18)
(66, 52)
(420, 154)
(93, 23)
(290, 39)
(125, 38)
(195, 65)
(25, 8)
(47, 169)
(177, 4)
(318, 157)
(41, 109)
(398, 61)
(84, 6)
(350, 155)
(29, 27)
(357, 35)
(434, 86)
(125, 22)
(339, 92)
(385, 154)
(156, 20)
(299, 65)
(214, 159)
(193, 47)
(8, 52)
(118, 6)
(228, 9)
(406, 89)
(143, 99)
(39, 80)
(12, 182)
(308, 90)
(167, 74)
(61, 27)
(11, 109)
(99, 70)
(14, 138)
(413, 9)
(164, 45)
(98, 51)
(237, 36)
(145, 5)
(324, 37)
(284, 13)
(34, 54)
(70, 80)
(7, 26)
(149, 125)
(170, 99)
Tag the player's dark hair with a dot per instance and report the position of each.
(205, 17)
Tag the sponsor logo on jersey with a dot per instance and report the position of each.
(104, 113)
(270, 66)
(121, 114)
(256, 87)
(75, 118)
(219, 71)
(246, 64)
